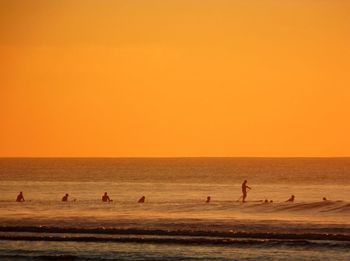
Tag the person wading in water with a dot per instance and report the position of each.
(244, 190)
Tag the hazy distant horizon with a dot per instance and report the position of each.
(173, 157)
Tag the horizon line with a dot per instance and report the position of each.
(169, 157)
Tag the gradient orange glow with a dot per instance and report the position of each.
(175, 78)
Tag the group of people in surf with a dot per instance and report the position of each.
(245, 189)
(105, 198)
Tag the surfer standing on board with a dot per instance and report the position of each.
(244, 190)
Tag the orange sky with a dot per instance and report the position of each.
(175, 78)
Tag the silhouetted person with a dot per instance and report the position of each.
(244, 190)
(105, 198)
(208, 199)
(141, 200)
(65, 197)
(20, 197)
(291, 199)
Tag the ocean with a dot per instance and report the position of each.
(175, 222)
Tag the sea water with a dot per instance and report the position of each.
(175, 223)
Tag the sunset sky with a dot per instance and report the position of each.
(174, 78)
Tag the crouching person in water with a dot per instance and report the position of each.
(142, 199)
(208, 199)
(20, 197)
(105, 198)
(291, 199)
(65, 198)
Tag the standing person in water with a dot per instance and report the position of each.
(65, 197)
(244, 190)
(105, 198)
(20, 197)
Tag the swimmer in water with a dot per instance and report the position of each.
(65, 197)
(208, 199)
(105, 198)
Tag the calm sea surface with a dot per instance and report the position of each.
(175, 223)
